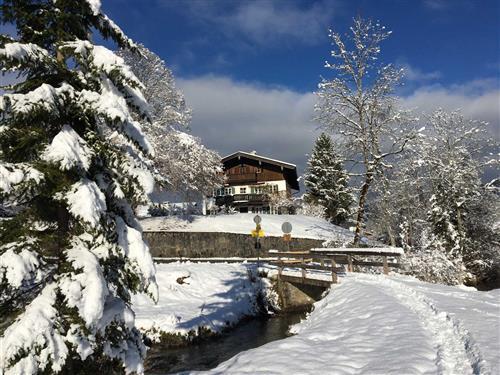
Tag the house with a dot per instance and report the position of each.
(253, 183)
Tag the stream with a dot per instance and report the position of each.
(208, 354)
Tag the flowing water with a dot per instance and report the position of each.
(208, 354)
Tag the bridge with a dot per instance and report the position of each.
(322, 266)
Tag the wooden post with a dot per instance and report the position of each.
(280, 267)
(349, 263)
(386, 266)
(322, 262)
(334, 273)
(303, 268)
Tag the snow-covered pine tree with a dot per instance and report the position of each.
(184, 164)
(73, 162)
(327, 181)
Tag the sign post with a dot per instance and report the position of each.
(286, 228)
(257, 233)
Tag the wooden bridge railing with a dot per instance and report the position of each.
(317, 259)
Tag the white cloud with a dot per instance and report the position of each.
(276, 121)
(478, 99)
(229, 116)
(264, 22)
(436, 4)
(415, 74)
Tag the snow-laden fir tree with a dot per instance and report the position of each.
(183, 163)
(326, 181)
(359, 108)
(73, 162)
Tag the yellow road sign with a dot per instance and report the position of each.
(257, 233)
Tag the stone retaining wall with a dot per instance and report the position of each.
(215, 244)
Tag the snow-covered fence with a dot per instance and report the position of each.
(348, 256)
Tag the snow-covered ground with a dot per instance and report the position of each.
(303, 226)
(373, 324)
(211, 296)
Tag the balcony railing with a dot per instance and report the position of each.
(240, 198)
(251, 197)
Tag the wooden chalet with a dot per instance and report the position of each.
(251, 182)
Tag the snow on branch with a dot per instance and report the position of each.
(16, 178)
(19, 268)
(135, 249)
(15, 56)
(34, 338)
(44, 98)
(86, 289)
(86, 201)
(68, 150)
(112, 106)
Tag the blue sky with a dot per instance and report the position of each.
(249, 69)
(285, 43)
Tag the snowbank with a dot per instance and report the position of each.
(303, 226)
(378, 325)
(211, 296)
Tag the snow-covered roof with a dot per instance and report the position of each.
(254, 156)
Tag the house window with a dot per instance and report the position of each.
(243, 190)
(229, 191)
(275, 188)
(257, 190)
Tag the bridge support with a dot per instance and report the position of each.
(295, 295)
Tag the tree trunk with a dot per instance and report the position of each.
(391, 236)
(361, 207)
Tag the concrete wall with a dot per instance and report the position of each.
(213, 244)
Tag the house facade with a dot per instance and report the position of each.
(253, 182)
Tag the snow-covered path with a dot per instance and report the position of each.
(378, 325)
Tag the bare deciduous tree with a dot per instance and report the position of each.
(358, 106)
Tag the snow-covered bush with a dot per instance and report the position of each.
(74, 161)
(282, 203)
(309, 209)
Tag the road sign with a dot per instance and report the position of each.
(286, 227)
(258, 233)
(257, 219)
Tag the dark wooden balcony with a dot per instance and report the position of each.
(240, 178)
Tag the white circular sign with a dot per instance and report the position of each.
(286, 227)
(257, 219)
